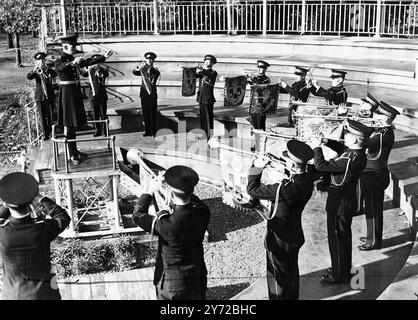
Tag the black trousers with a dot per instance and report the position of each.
(340, 238)
(197, 292)
(283, 274)
(71, 133)
(259, 121)
(373, 185)
(99, 107)
(149, 112)
(206, 118)
(45, 111)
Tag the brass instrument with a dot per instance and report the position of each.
(39, 70)
(273, 135)
(370, 122)
(275, 162)
(144, 69)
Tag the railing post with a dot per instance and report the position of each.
(228, 16)
(264, 17)
(155, 9)
(302, 30)
(63, 21)
(378, 18)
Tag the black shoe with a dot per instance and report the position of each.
(329, 270)
(329, 279)
(369, 247)
(75, 161)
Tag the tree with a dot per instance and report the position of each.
(16, 17)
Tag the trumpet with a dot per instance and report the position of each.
(275, 162)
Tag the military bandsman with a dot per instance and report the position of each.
(205, 95)
(299, 91)
(148, 92)
(259, 120)
(97, 94)
(375, 177)
(44, 92)
(341, 202)
(336, 95)
(284, 236)
(180, 271)
(71, 113)
(25, 239)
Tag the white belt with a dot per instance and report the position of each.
(63, 83)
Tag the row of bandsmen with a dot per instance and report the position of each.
(71, 113)
(180, 271)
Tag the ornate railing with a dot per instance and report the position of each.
(317, 17)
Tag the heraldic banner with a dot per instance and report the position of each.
(188, 83)
(264, 99)
(234, 171)
(161, 198)
(234, 91)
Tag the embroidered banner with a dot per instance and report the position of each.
(264, 99)
(234, 172)
(188, 83)
(162, 196)
(234, 91)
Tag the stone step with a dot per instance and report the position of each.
(198, 45)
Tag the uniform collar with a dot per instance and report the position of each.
(26, 219)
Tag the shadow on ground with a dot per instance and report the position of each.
(225, 219)
(225, 292)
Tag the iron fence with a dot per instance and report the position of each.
(317, 17)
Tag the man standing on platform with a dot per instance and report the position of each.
(180, 270)
(259, 120)
(375, 177)
(71, 113)
(44, 92)
(299, 91)
(148, 92)
(97, 75)
(336, 95)
(284, 236)
(25, 237)
(342, 198)
(205, 95)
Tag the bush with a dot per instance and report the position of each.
(75, 257)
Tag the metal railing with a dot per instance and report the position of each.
(317, 17)
(55, 148)
(34, 123)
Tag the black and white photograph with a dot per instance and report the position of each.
(221, 153)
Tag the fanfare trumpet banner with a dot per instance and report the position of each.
(264, 99)
(161, 197)
(234, 171)
(234, 91)
(188, 82)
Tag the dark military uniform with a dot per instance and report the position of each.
(25, 250)
(298, 92)
(259, 120)
(341, 203)
(71, 113)
(98, 96)
(375, 179)
(44, 102)
(284, 235)
(149, 99)
(206, 99)
(25, 242)
(180, 270)
(333, 96)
